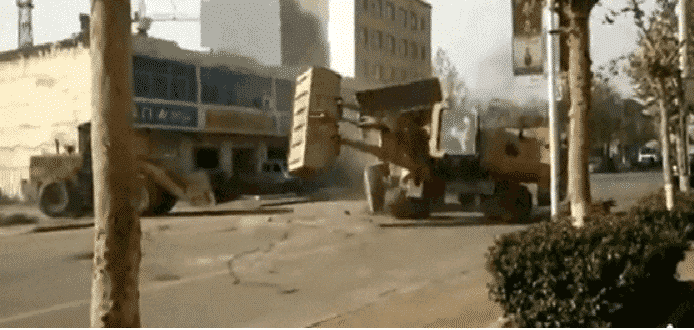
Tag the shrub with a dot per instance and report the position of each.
(555, 275)
(656, 202)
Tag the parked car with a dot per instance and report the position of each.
(648, 156)
(273, 178)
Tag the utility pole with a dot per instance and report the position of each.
(116, 264)
(553, 115)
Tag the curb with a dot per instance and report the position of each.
(73, 226)
(17, 230)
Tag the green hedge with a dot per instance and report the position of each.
(615, 271)
(656, 202)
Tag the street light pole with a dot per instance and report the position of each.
(553, 115)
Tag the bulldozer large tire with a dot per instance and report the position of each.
(165, 203)
(154, 200)
(435, 192)
(374, 187)
(402, 207)
(511, 202)
(58, 199)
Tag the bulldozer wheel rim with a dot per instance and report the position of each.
(54, 199)
(143, 201)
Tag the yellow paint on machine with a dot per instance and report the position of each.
(239, 122)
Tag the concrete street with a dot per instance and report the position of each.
(308, 262)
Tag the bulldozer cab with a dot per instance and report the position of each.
(454, 131)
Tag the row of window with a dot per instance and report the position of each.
(170, 80)
(375, 40)
(162, 79)
(387, 10)
(388, 74)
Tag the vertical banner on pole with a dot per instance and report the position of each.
(528, 41)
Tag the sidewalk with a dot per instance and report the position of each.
(448, 304)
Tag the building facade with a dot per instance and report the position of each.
(213, 112)
(380, 41)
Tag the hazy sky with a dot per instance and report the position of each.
(474, 32)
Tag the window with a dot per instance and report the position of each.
(424, 53)
(376, 39)
(365, 68)
(365, 37)
(414, 50)
(390, 10)
(366, 5)
(391, 44)
(142, 84)
(210, 94)
(377, 6)
(379, 72)
(422, 24)
(160, 86)
(391, 74)
(163, 79)
(224, 87)
(285, 95)
(404, 46)
(403, 74)
(403, 15)
(380, 40)
(206, 158)
(180, 92)
(413, 19)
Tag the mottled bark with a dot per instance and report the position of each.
(580, 79)
(682, 149)
(665, 150)
(115, 282)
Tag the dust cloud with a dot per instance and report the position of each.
(303, 39)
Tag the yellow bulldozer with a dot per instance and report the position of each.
(417, 167)
(65, 183)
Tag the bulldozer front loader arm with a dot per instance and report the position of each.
(195, 189)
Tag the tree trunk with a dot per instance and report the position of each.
(681, 161)
(665, 150)
(116, 265)
(682, 148)
(580, 79)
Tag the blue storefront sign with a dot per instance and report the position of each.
(167, 115)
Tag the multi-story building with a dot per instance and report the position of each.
(380, 41)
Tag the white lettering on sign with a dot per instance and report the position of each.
(165, 116)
